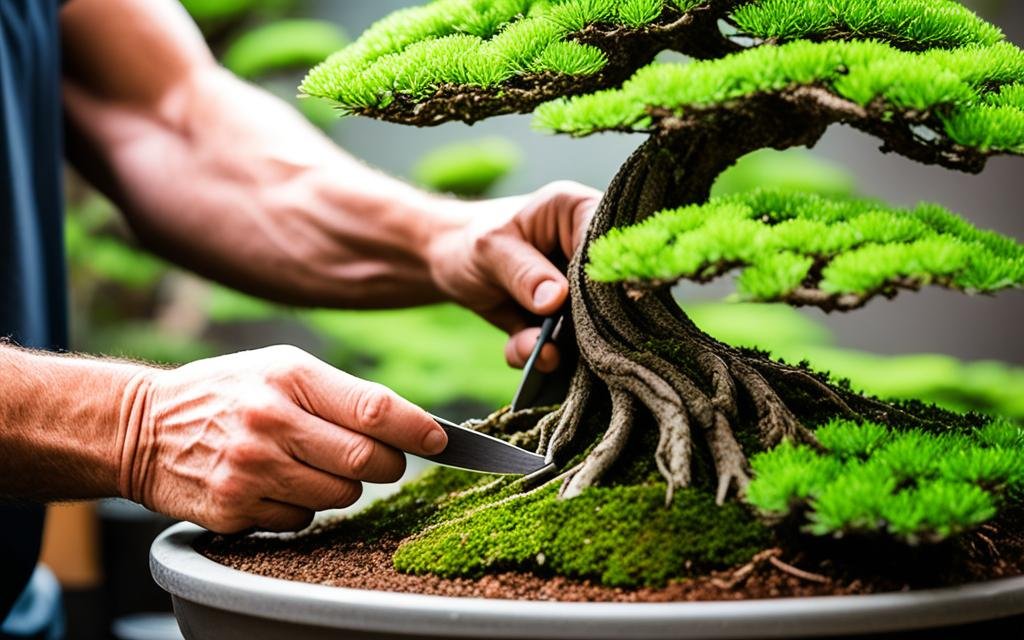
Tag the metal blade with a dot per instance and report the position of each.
(538, 389)
(533, 379)
(468, 449)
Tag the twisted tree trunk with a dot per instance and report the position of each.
(641, 354)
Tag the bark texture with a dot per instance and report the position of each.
(642, 356)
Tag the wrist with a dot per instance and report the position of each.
(133, 445)
(58, 424)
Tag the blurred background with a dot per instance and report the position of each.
(964, 352)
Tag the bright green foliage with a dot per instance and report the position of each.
(479, 43)
(917, 24)
(860, 246)
(955, 84)
(470, 168)
(852, 440)
(485, 43)
(585, 537)
(281, 45)
(870, 479)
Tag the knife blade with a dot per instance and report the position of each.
(538, 389)
(475, 451)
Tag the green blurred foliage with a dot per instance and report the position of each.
(91, 253)
(470, 168)
(436, 356)
(283, 45)
(209, 11)
(796, 170)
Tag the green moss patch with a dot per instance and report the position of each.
(621, 536)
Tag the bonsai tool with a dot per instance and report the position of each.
(538, 389)
(475, 451)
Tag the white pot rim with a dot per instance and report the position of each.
(188, 575)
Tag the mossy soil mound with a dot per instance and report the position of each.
(460, 534)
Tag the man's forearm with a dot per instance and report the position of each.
(58, 424)
(229, 181)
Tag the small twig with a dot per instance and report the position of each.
(740, 575)
(798, 573)
(993, 549)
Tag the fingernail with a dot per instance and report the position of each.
(435, 442)
(545, 293)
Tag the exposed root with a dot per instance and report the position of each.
(814, 385)
(515, 497)
(607, 451)
(724, 398)
(797, 573)
(739, 576)
(505, 422)
(730, 463)
(548, 423)
(775, 421)
(572, 413)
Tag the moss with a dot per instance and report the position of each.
(416, 503)
(621, 536)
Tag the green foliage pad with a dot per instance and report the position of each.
(912, 485)
(786, 241)
(958, 90)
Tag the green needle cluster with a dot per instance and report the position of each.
(472, 43)
(784, 241)
(956, 86)
(467, 45)
(911, 485)
(913, 24)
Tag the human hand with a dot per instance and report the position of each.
(496, 263)
(262, 439)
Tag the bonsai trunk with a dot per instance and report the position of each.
(643, 355)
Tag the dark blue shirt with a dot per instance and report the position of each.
(32, 279)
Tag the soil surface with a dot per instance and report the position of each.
(328, 557)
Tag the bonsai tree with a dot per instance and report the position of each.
(662, 420)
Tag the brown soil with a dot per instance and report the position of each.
(328, 558)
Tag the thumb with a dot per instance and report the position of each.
(531, 279)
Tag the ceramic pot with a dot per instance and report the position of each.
(215, 602)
